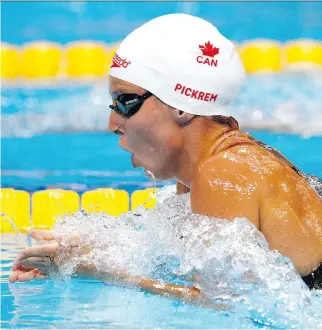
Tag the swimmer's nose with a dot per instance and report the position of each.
(115, 124)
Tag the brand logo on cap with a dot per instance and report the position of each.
(208, 54)
(119, 62)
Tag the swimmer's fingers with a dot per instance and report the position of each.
(71, 239)
(39, 251)
(14, 276)
(24, 274)
(17, 270)
(31, 275)
(43, 235)
(45, 265)
(35, 262)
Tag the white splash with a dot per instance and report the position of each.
(231, 261)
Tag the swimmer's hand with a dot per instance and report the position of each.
(37, 262)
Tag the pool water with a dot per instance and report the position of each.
(91, 304)
(84, 161)
(81, 303)
(58, 138)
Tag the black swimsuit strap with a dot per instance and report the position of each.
(314, 280)
(277, 154)
(312, 180)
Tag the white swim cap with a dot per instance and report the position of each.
(184, 61)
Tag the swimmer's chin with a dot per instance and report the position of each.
(150, 175)
(135, 162)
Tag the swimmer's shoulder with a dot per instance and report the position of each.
(223, 187)
(244, 162)
(243, 154)
(272, 174)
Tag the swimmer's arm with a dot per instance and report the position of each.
(187, 294)
(225, 189)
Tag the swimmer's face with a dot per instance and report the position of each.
(150, 135)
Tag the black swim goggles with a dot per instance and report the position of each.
(129, 104)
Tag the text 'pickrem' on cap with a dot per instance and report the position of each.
(184, 61)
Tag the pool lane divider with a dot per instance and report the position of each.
(49, 61)
(21, 211)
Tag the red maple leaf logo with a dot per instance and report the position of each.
(209, 50)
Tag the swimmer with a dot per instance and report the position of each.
(172, 81)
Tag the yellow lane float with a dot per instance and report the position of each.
(91, 59)
(41, 60)
(49, 204)
(303, 54)
(261, 56)
(86, 59)
(14, 209)
(10, 61)
(145, 198)
(111, 201)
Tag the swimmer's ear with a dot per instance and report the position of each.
(181, 117)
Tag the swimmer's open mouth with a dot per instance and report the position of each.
(134, 160)
(136, 163)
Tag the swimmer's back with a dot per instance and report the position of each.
(272, 193)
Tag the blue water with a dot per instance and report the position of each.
(81, 161)
(58, 138)
(77, 304)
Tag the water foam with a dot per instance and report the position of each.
(26, 113)
(230, 261)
